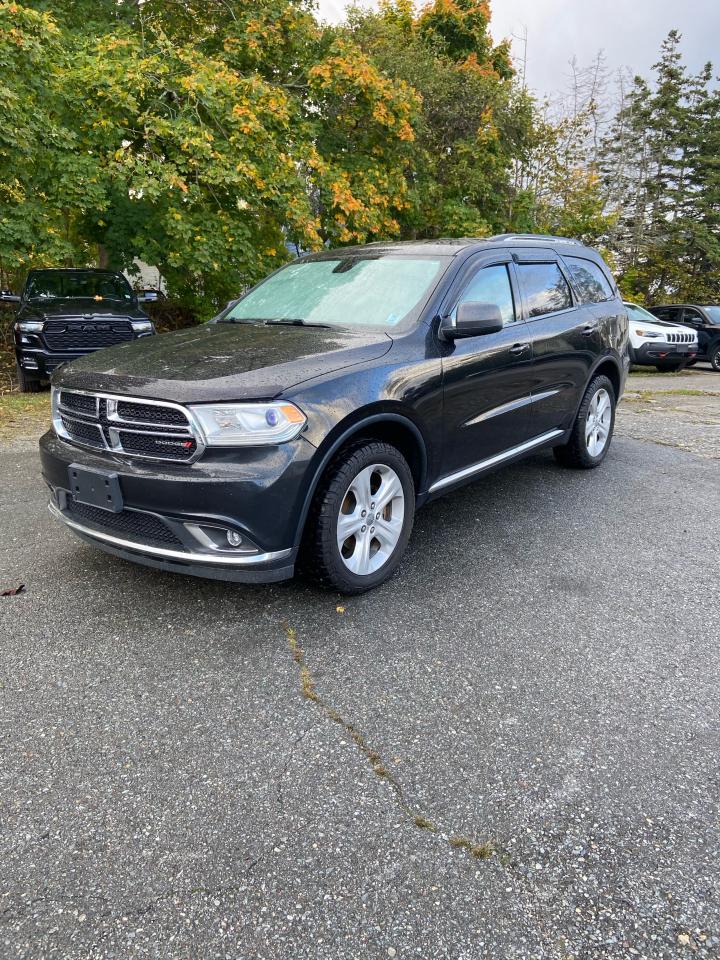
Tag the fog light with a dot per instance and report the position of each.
(234, 538)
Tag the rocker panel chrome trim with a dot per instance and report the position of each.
(493, 461)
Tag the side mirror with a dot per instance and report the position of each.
(473, 319)
(149, 296)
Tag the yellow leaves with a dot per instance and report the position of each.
(405, 132)
(175, 181)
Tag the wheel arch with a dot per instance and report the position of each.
(389, 426)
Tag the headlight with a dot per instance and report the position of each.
(30, 326)
(142, 326)
(649, 334)
(248, 424)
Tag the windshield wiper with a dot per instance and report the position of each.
(274, 321)
(295, 322)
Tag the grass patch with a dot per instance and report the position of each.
(652, 372)
(24, 414)
(644, 396)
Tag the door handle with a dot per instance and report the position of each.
(520, 348)
(589, 329)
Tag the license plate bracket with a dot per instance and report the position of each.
(95, 488)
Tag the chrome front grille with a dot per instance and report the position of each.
(152, 429)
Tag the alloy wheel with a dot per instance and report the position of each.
(598, 422)
(371, 519)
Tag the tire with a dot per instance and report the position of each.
(669, 367)
(580, 452)
(26, 384)
(361, 561)
(714, 355)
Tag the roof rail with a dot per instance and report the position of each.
(535, 236)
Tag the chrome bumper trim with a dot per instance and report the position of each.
(186, 556)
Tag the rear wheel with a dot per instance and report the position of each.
(361, 518)
(26, 383)
(593, 428)
(714, 356)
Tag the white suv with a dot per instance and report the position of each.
(667, 346)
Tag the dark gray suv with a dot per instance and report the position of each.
(308, 421)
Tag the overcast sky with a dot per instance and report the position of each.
(629, 31)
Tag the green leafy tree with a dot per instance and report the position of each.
(201, 137)
(474, 122)
(663, 183)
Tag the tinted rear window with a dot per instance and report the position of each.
(546, 289)
(590, 282)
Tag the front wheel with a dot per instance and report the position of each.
(714, 356)
(26, 383)
(361, 518)
(593, 428)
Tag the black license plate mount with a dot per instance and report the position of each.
(95, 488)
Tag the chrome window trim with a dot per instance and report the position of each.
(187, 556)
(493, 461)
(194, 431)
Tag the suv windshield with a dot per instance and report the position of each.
(640, 313)
(77, 285)
(348, 292)
(713, 313)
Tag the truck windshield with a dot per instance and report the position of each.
(77, 285)
(381, 292)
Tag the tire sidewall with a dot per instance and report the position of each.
(372, 453)
(599, 383)
(714, 356)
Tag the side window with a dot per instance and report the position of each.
(692, 318)
(546, 289)
(590, 282)
(491, 285)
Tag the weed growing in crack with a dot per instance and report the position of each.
(481, 851)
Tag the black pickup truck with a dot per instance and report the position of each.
(64, 314)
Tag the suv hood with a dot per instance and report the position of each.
(661, 326)
(221, 362)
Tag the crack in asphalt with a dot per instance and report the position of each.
(481, 851)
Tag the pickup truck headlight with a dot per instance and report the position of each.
(248, 424)
(648, 334)
(142, 326)
(30, 326)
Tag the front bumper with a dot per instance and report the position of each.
(168, 509)
(42, 363)
(658, 351)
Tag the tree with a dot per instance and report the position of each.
(661, 172)
(474, 121)
(36, 147)
(201, 137)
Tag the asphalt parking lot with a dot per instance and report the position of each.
(510, 751)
